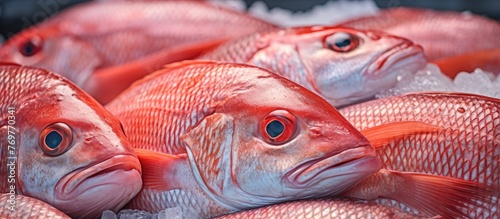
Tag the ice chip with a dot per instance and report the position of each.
(477, 82)
(134, 214)
(108, 215)
(170, 213)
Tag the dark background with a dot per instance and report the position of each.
(18, 14)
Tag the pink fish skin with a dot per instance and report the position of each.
(441, 33)
(466, 146)
(70, 152)
(27, 207)
(217, 138)
(324, 209)
(88, 39)
(343, 65)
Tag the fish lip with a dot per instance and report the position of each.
(387, 59)
(304, 175)
(68, 184)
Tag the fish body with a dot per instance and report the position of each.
(63, 147)
(324, 209)
(217, 138)
(343, 65)
(466, 146)
(85, 40)
(20, 206)
(441, 33)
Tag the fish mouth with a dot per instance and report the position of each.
(354, 161)
(72, 181)
(107, 185)
(399, 56)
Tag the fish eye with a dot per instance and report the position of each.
(278, 127)
(55, 139)
(31, 47)
(342, 42)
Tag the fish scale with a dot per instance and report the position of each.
(200, 132)
(146, 26)
(371, 61)
(467, 147)
(156, 201)
(19, 85)
(92, 44)
(170, 104)
(449, 29)
(323, 209)
(29, 208)
(89, 159)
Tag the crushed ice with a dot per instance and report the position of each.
(330, 13)
(169, 213)
(431, 79)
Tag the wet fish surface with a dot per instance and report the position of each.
(217, 138)
(465, 145)
(61, 146)
(20, 206)
(343, 65)
(85, 43)
(441, 33)
(324, 209)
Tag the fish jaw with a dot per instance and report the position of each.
(101, 185)
(406, 56)
(340, 169)
(385, 71)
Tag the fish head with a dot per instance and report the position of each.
(345, 65)
(277, 141)
(54, 49)
(73, 154)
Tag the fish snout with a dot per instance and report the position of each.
(335, 172)
(108, 184)
(397, 54)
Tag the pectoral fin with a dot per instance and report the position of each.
(383, 134)
(162, 171)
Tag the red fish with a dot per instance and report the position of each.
(441, 33)
(342, 65)
(487, 60)
(86, 42)
(324, 209)
(460, 139)
(63, 147)
(217, 138)
(27, 207)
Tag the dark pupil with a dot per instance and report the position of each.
(29, 49)
(53, 139)
(342, 42)
(274, 128)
